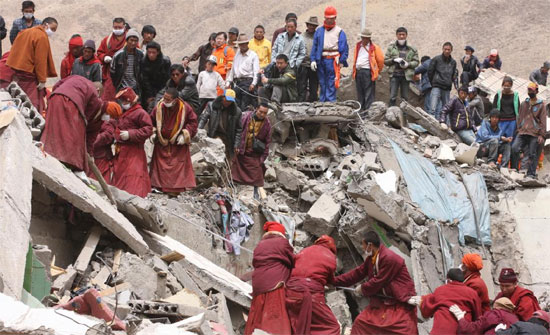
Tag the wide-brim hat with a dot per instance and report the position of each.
(242, 39)
(366, 33)
(313, 20)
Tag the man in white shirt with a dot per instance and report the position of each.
(368, 63)
(244, 74)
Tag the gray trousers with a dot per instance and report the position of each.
(398, 83)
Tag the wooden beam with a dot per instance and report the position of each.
(88, 250)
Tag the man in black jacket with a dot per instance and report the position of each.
(224, 121)
(155, 72)
(442, 73)
(126, 64)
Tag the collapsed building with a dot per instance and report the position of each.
(174, 265)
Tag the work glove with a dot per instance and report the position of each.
(398, 60)
(358, 291)
(459, 314)
(183, 138)
(404, 64)
(313, 66)
(444, 126)
(124, 135)
(414, 300)
(107, 59)
(41, 86)
(500, 326)
(180, 140)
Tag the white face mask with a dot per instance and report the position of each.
(118, 32)
(126, 106)
(105, 117)
(168, 105)
(368, 253)
(28, 16)
(401, 42)
(49, 32)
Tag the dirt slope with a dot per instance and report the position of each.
(516, 28)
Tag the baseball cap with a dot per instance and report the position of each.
(229, 95)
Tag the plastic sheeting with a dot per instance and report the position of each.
(441, 196)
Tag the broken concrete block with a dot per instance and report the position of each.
(270, 174)
(445, 153)
(188, 283)
(394, 116)
(377, 111)
(387, 181)
(431, 141)
(466, 154)
(428, 153)
(322, 216)
(15, 203)
(317, 164)
(419, 116)
(450, 142)
(141, 277)
(336, 300)
(289, 178)
(369, 159)
(64, 281)
(49, 172)
(321, 146)
(350, 163)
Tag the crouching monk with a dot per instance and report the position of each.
(389, 288)
(305, 296)
(273, 260)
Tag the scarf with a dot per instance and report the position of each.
(90, 61)
(180, 120)
(329, 26)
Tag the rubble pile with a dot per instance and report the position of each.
(174, 264)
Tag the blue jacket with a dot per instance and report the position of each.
(486, 133)
(319, 41)
(423, 70)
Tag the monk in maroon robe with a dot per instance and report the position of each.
(273, 260)
(525, 301)
(455, 292)
(471, 265)
(74, 112)
(248, 165)
(102, 152)
(305, 295)
(176, 123)
(130, 132)
(503, 313)
(106, 51)
(389, 287)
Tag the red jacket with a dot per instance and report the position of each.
(487, 323)
(437, 305)
(273, 260)
(475, 282)
(376, 57)
(525, 301)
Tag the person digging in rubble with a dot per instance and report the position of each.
(224, 121)
(461, 119)
(507, 102)
(273, 261)
(31, 59)
(73, 119)
(76, 47)
(389, 288)
(367, 65)
(282, 85)
(176, 124)
(102, 151)
(501, 316)
(329, 54)
(538, 324)
(129, 133)
(248, 165)
(531, 131)
(438, 303)
(471, 265)
(540, 75)
(492, 141)
(110, 45)
(305, 290)
(525, 301)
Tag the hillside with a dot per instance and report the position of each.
(183, 25)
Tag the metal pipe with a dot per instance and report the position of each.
(363, 14)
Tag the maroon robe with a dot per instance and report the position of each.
(108, 47)
(389, 287)
(248, 166)
(487, 323)
(6, 72)
(525, 301)
(130, 165)
(475, 282)
(72, 118)
(273, 260)
(437, 305)
(305, 296)
(103, 154)
(171, 166)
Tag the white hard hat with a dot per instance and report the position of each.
(212, 59)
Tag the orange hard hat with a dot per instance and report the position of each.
(330, 12)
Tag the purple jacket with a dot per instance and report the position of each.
(459, 115)
(486, 324)
(264, 135)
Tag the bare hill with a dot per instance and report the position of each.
(516, 28)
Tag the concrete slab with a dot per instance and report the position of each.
(49, 172)
(322, 216)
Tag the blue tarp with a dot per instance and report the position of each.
(441, 196)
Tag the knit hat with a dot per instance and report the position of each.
(89, 44)
(112, 109)
(274, 226)
(473, 262)
(326, 241)
(546, 64)
(508, 275)
(469, 48)
(127, 95)
(504, 303)
(75, 42)
(132, 33)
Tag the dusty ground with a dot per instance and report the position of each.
(516, 28)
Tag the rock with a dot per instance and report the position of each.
(450, 142)
(289, 178)
(431, 141)
(428, 153)
(445, 153)
(336, 300)
(322, 216)
(387, 181)
(394, 116)
(466, 154)
(317, 164)
(377, 111)
(134, 271)
(270, 174)
(350, 163)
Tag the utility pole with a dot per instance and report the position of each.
(363, 14)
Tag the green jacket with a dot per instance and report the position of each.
(411, 58)
(287, 79)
